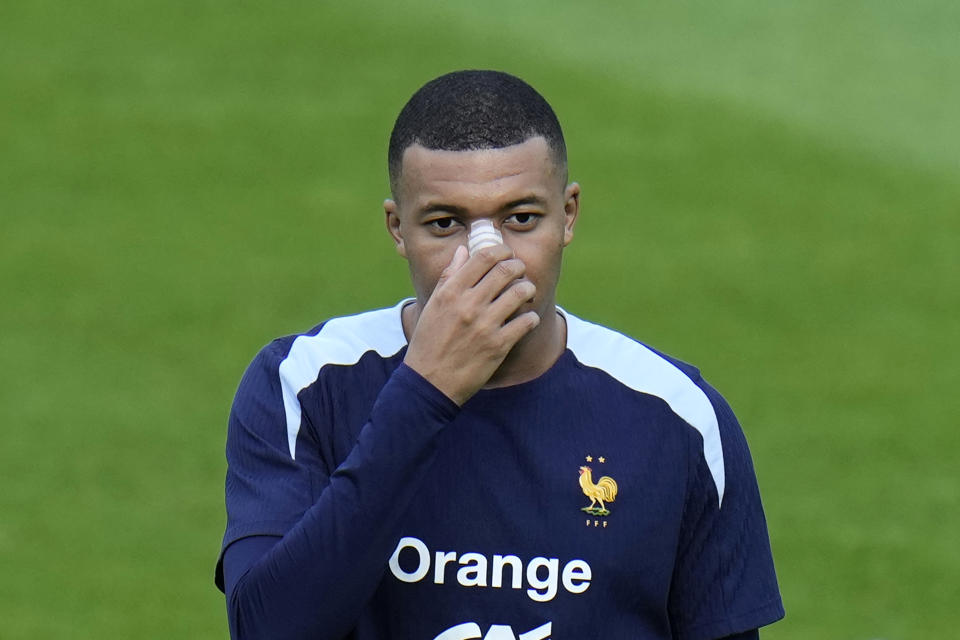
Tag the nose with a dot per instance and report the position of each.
(483, 234)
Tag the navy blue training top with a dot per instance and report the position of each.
(612, 497)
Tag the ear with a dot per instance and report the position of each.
(393, 225)
(571, 210)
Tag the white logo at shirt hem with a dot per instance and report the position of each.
(471, 631)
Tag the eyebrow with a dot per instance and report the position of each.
(440, 207)
(536, 200)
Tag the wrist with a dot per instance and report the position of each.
(441, 382)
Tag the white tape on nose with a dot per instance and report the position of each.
(482, 234)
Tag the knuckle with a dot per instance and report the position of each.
(488, 253)
(467, 315)
(495, 253)
(441, 294)
(504, 269)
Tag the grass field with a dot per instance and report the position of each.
(771, 191)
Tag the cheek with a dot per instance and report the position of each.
(426, 267)
(543, 270)
(541, 252)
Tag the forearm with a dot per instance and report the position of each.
(316, 579)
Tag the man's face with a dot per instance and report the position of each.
(519, 188)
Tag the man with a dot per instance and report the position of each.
(475, 462)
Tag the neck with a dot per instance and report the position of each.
(534, 354)
(530, 357)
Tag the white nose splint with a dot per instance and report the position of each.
(483, 234)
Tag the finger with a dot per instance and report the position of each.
(499, 278)
(514, 296)
(480, 263)
(460, 257)
(520, 326)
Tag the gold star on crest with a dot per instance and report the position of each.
(589, 458)
(602, 459)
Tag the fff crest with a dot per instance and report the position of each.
(602, 491)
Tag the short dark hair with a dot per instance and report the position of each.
(471, 110)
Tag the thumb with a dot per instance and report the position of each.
(459, 258)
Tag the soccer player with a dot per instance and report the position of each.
(475, 462)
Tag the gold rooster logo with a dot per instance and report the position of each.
(604, 490)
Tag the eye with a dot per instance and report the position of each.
(522, 220)
(443, 226)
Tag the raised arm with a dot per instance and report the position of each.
(297, 568)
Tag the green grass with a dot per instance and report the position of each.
(770, 191)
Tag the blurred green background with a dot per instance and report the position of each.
(771, 191)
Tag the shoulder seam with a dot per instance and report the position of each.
(640, 368)
(340, 341)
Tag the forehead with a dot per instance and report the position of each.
(430, 174)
